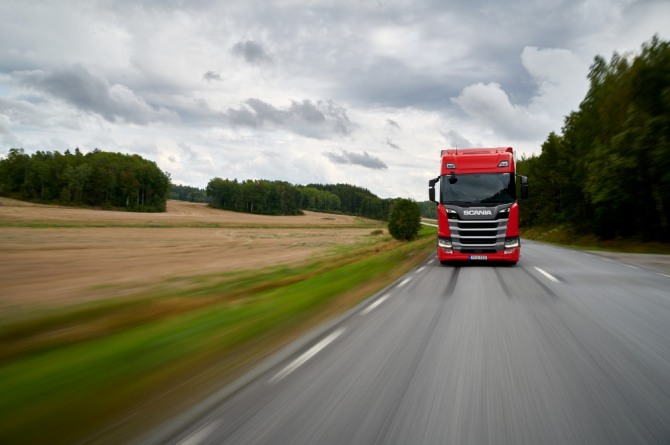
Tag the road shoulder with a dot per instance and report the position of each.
(656, 262)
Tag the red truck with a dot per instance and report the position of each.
(477, 209)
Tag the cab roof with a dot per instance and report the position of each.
(477, 160)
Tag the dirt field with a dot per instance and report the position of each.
(44, 265)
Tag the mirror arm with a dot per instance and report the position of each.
(431, 189)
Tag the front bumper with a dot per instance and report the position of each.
(507, 255)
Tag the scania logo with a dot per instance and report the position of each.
(477, 212)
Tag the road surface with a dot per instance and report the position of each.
(565, 347)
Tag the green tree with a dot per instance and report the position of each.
(110, 180)
(405, 220)
(14, 170)
(354, 200)
(608, 172)
(188, 193)
(428, 209)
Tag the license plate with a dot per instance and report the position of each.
(479, 257)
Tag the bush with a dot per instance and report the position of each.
(405, 220)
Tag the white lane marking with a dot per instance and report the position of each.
(608, 260)
(547, 274)
(664, 274)
(375, 304)
(199, 435)
(428, 224)
(420, 269)
(306, 356)
(405, 281)
(632, 267)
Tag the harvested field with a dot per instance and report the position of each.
(178, 213)
(50, 255)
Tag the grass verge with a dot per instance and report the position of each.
(114, 356)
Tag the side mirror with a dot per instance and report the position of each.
(431, 189)
(524, 187)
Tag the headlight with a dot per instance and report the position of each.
(445, 243)
(511, 242)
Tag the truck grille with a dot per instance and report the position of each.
(467, 225)
(472, 236)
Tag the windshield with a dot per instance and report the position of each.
(491, 188)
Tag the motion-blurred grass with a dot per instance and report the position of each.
(66, 374)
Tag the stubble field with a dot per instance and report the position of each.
(53, 255)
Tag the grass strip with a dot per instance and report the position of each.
(63, 394)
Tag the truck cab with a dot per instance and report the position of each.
(477, 209)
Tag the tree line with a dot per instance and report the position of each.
(97, 179)
(608, 173)
(282, 198)
(428, 209)
(129, 182)
(255, 196)
(358, 201)
(188, 193)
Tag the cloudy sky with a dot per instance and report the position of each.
(365, 92)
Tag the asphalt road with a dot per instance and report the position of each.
(565, 348)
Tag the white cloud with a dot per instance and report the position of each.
(559, 74)
(86, 91)
(490, 107)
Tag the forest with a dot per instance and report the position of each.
(118, 181)
(608, 173)
(282, 198)
(96, 179)
(358, 201)
(188, 193)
